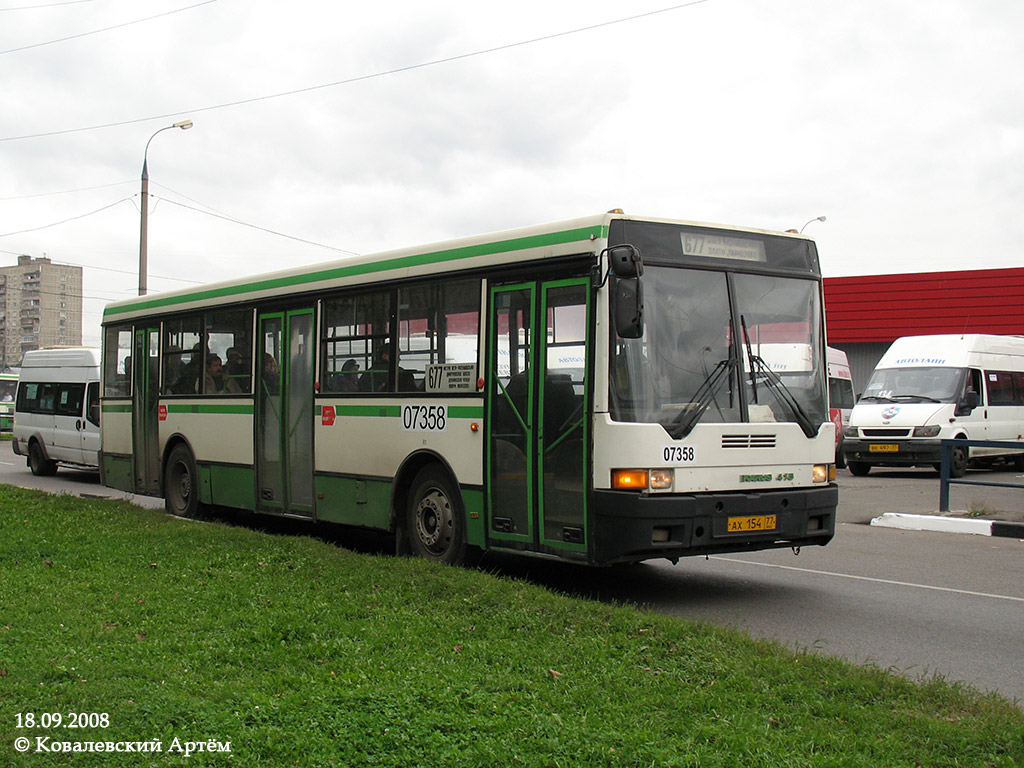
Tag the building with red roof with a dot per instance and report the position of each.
(866, 313)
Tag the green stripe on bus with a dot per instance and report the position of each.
(222, 408)
(403, 262)
(116, 407)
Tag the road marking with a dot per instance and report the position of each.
(869, 578)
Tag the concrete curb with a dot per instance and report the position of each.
(945, 524)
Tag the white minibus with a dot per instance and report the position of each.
(57, 411)
(840, 395)
(926, 389)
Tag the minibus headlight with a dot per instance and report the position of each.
(931, 431)
(850, 432)
(629, 479)
(824, 473)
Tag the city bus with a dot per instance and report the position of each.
(592, 390)
(8, 390)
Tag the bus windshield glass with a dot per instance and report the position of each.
(914, 385)
(722, 347)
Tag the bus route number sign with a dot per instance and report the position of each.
(424, 418)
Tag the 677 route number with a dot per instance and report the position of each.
(424, 418)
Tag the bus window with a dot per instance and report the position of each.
(117, 366)
(437, 323)
(182, 355)
(356, 330)
(229, 337)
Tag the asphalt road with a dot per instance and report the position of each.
(916, 603)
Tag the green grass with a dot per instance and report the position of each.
(299, 652)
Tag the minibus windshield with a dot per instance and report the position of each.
(914, 385)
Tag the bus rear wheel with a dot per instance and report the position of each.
(38, 463)
(434, 519)
(181, 484)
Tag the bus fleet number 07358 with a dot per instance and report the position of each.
(424, 418)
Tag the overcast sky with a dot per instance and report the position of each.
(408, 122)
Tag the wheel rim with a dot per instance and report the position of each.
(435, 521)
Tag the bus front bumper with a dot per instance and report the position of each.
(633, 527)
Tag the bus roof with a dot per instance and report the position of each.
(545, 241)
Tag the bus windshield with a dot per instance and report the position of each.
(915, 385)
(722, 347)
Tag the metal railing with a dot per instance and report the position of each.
(947, 447)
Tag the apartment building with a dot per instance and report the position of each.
(40, 306)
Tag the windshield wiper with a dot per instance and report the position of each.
(773, 382)
(685, 420)
(878, 398)
(914, 398)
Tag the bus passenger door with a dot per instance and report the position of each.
(537, 414)
(284, 417)
(146, 410)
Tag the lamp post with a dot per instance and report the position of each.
(816, 218)
(144, 226)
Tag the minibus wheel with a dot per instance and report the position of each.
(181, 483)
(38, 463)
(858, 468)
(958, 458)
(435, 519)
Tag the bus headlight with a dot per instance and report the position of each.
(931, 431)
(643, 479)
(850, 432)
(824, 473)
(662, 479)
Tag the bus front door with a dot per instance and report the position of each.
(146, 411)
(537, 405)
(284, 417)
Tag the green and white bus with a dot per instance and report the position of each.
(8, 391)
(602, 390)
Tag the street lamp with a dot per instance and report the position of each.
(144, 227)
(816, 218)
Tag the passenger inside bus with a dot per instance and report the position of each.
(213, 379)
(348, 379)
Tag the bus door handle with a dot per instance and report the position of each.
(78, 424)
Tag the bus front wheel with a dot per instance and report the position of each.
(434, 521)
(181, 484)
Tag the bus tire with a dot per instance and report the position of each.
(435, 520)
(858, 468)
(181, 484)
(38, 463)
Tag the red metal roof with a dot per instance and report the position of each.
(885, 307)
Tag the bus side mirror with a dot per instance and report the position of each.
(629, 308)
(625, 261)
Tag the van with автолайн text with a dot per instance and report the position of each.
(926, 389)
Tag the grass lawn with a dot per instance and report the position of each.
(285, 650)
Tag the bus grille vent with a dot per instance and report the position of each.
(748, 441)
